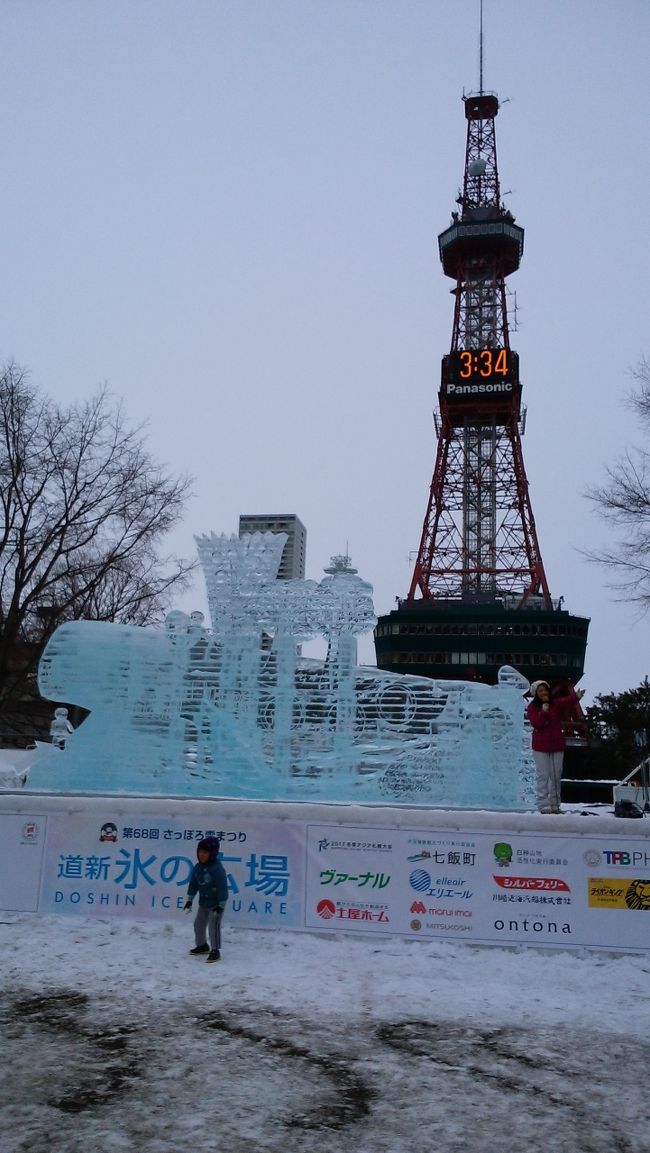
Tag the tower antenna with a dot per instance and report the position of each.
(480, 47)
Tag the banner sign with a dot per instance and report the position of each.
(535, 888)
(481, 885)
(143, 868)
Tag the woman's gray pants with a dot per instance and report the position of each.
(549, 779)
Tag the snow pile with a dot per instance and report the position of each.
(14, 767)
(116, 1039)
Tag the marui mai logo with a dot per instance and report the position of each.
(418, 907)
(326, 909)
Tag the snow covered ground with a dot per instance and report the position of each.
(115, 1039)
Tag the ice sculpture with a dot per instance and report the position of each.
(237, 711)
(60, 728)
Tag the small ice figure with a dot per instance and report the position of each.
(60, 728)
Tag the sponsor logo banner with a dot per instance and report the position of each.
(534, 888)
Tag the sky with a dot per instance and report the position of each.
(228, 214)
(114, 1038)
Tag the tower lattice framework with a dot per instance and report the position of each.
(479, 540)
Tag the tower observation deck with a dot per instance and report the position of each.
(479, 597)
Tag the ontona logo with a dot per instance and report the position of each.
(526, 926)
(326, 909)
(454, 390)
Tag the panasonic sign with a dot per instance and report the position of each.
(454, 390)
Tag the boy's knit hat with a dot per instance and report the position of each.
(212, 844)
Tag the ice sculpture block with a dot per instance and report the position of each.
(236, 711)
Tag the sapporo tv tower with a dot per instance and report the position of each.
(479, 597)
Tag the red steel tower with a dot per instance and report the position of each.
(479, 597)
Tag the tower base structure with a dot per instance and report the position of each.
(470, 640)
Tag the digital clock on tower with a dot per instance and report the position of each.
(482, 364)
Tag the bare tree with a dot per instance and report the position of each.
(85, 508)
(624, 502)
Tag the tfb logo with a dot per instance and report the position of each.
(617, 857)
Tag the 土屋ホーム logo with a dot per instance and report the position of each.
(326, 909)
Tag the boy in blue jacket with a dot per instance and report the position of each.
(209, 880)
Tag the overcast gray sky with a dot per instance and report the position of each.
(228, 212)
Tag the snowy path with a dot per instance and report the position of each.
(115, 1039)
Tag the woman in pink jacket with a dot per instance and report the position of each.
(546, 716)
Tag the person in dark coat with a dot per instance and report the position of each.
(546, 715)
(209, 880)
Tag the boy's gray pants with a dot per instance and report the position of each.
(207, 919)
